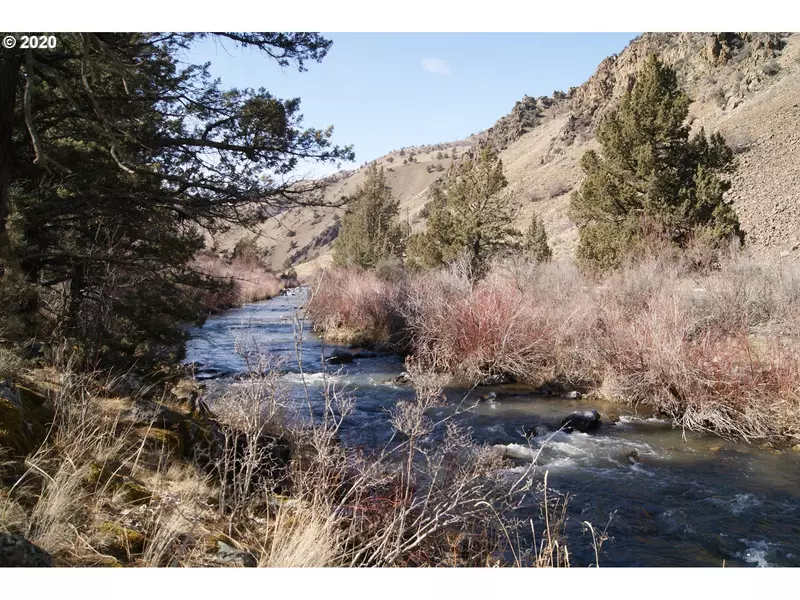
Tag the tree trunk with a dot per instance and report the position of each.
(76, 288)
(10, 62)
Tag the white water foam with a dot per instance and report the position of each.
(756, 552)
(738, 503)
(517, 451)
(312, 378)
(634, 420)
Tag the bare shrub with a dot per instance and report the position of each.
(739, 141)
(247, 281)
(523, 320)
(712, 343)
(689, 350)
(357, 306)
(557, 188)
(771, 67)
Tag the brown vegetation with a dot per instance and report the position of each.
(242, 280)
(356, 307)
(714, 348)
(114, 487)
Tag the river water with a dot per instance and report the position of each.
(688, 500)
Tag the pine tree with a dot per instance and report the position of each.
(370, 230)
(535, 242)
(115, 156)
(651, 176)
(468, 214)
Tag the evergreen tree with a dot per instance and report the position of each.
(651, 175)
(370, 231)
(116, 156)
(535, 242)
(468, 214)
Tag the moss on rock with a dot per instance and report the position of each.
(127, 488)
(134, 493)
(164, 440)
(117, 537)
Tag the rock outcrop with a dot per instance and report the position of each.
(24, 418)
(16, 551)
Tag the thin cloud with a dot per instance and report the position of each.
(436, 66)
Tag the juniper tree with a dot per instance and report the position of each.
(370, 231)
(650, 175)
(116, 156)
(535, 243)
(468, 214)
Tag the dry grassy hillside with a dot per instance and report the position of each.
(746, 86)
(304, 236)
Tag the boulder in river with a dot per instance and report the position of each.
(403, 379)
(582, 421)
(537, 431)
(573, 395)
(340, 357)
(490, 397)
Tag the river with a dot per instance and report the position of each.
(688, 500)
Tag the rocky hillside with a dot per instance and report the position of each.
(745, 85)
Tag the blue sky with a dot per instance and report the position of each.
(383, 91)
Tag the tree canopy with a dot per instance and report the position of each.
(535, 243)
(468, 214)
(116, 155)
(651, 175)
(370, 232)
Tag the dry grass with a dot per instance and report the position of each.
(100, 493)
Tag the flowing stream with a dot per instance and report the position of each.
(682, 499)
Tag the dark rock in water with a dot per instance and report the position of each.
(490, 397)
(16, 551)
(543, 391)
(339, 357)
(573, 395)
(403, 379)
(364, 354)
(501, 379)
(537, 431)
(581, 421)
(633, 457)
